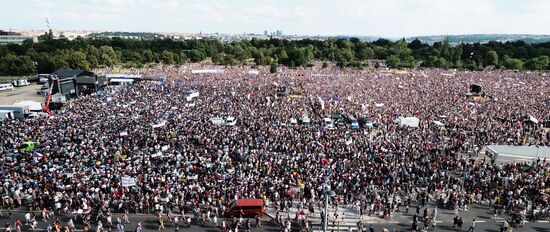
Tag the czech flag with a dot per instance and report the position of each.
(37, 155)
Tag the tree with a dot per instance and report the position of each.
(217, 59)
(77, 60)
(393, 61)
(180, 58)
(47, 36)
(415, 44)
(147, 56)
(196, 55)
(16, 65)
(456, 56)
(364, 54)
(538, 63)
(108, 56)
(470, 65)
(105, 52)
(45, 63)
(408, 62)
(492, 58)
(60, 62)
(131, 56)
(515, 64)
(282, 55)
(92, 56)
(446, 49)
(441, 63)
(167, 57)
(273, 67)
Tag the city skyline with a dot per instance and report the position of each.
(397, 18)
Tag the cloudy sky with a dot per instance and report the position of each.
(391, 18)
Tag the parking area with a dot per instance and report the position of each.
(8, 97)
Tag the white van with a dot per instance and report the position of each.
(43, 78)
(6, 87)
(19, 83)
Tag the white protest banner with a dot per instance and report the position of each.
(128, 181)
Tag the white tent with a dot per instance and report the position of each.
(123, 76)
(201, 71)
(438, 123)
(408, 121)
(33, 105)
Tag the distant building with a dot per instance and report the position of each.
(279, 33)
(9, 33)
(8, 37)
(265, 33)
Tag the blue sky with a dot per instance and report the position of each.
(391, 18)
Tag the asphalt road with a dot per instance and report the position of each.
(149, 223)
(400, 222)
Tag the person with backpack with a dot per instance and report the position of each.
(460, 222)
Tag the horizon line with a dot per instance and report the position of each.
(259, 33)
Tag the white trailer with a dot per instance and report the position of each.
(18, 111)
(6, 115)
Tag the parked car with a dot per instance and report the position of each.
(44, 90)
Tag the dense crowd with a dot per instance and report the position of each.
(181, 161)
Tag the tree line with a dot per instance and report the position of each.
(51, 54)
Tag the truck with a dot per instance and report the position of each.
(6, 115)
(18, 111)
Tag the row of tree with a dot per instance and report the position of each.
(87, 53)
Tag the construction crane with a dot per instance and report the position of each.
(48, 99)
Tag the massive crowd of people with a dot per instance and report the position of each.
(182, 161)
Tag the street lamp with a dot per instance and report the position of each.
(327, 193)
